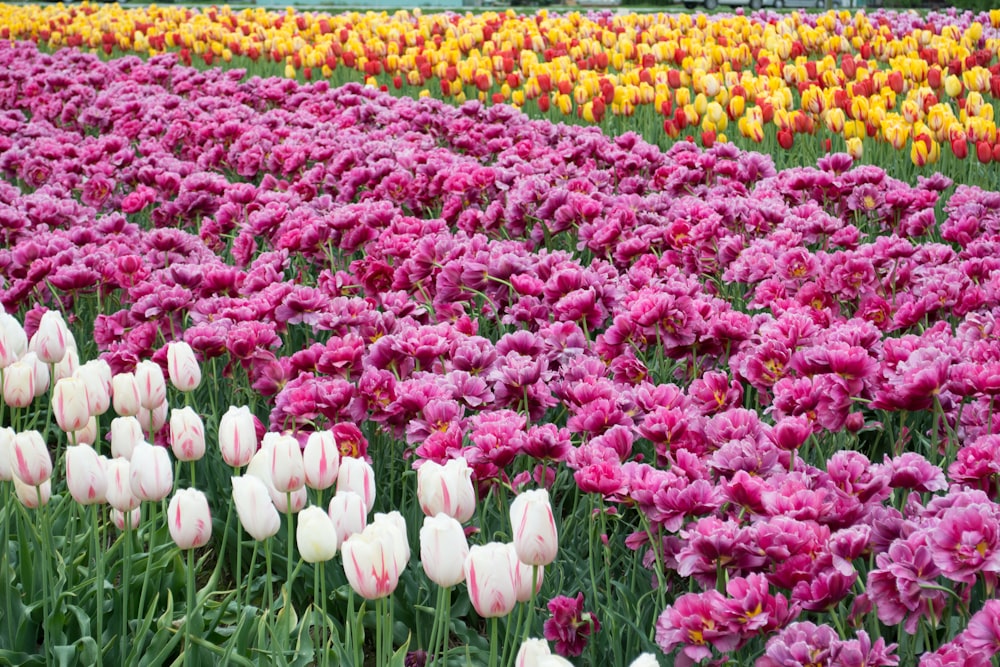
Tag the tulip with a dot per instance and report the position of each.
(287, 467)
(321, 459)
(447, 489)
(254, 507)
(153, 420)
(349, 515)
(187, 434)
(369, 561)
(645, 660)
(52, 338)
(68, 366)
(29, 495)
(855, 148)
(88, 434)
(86, 475)
(182, 366)
(396, 521)
(535, 536)
(984, 152)
(489, 575)
(189, 519)
(443, 549)
(13, 340)
(523, 575)
(98, 388)
(29, 458)
(6, 447)
(358, 476)
(237, 436)
(126, 433)
(69, 404)
(316, 535)
(152, 385)
(531, 651)
(19, 384)
(150, 475)
(119, 491)
(125, 394)
(41, 373)
(118, 518)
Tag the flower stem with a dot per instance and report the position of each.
(149, 557)
(46, 556)
(192, 602)
(99, 588)
(435, 638)
(126, 584)
(291, 538)
(494, 622)
(269, 593)
(318, 597)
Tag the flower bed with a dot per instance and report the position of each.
(762, 402)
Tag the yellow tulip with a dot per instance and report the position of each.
(855, 148)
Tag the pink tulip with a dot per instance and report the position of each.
(237, 436)
(86, 475)
(371, 560)
(29, 495)
(489, 575)
(535, 536)
(349, 515)
(119, 492)
(287, 466)
(13, 340)
(187, 434)
(150, 475)
(189, 519)
(29, 458)
(69, 404)
(358, 476)
(446, 489)
(52, 338)
(254, 507)
(125, 394)
(126, 433)
(443, 548)
(182, 366)
(152, 384)
(321, 459)
(19, 384)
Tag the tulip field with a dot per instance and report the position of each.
(562, 338)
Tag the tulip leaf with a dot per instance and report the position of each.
(20, 659)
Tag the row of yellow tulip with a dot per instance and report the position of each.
(850, 73)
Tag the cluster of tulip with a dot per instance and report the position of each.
(916, 84)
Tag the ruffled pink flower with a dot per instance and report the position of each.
(570, 627)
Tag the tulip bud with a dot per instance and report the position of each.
(6, 447)
(254, 507)
(152, 385)
(126, 433)
(19, 384)
(237, 436)
(287, 467)
(370, 561)
(13, 340)
(29, 496)
(531, 651)
(88, 434)
(358, 476)
(119, 518)
(189, 519)
(187, 434)
(349, 515)
(316, 535)
(153, 420)
(150, 474)
(86, 475)
(182, 366)
(535, 537)
(29, 458)
(447, 489)
(69, 404)
(321, 460)
(98, 389)
(489, 575)
(119, 491)
(523, 576)
(52, 338)
(41, 373)
(443, 548)
(125, 394)
(68, 366)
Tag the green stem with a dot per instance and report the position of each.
(432, 643)
(8, 505)
(269, 593)
(99, 588)
(530, 621)
(249, 577)
(192, 602)
(46, 556)
(318, 593)
(193, 485)
(291, 540)
(379, 639)
(494, 622)
(149, 557)
(126, 583)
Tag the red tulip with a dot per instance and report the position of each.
(786, 139)
(984, 152)
(960, 148)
